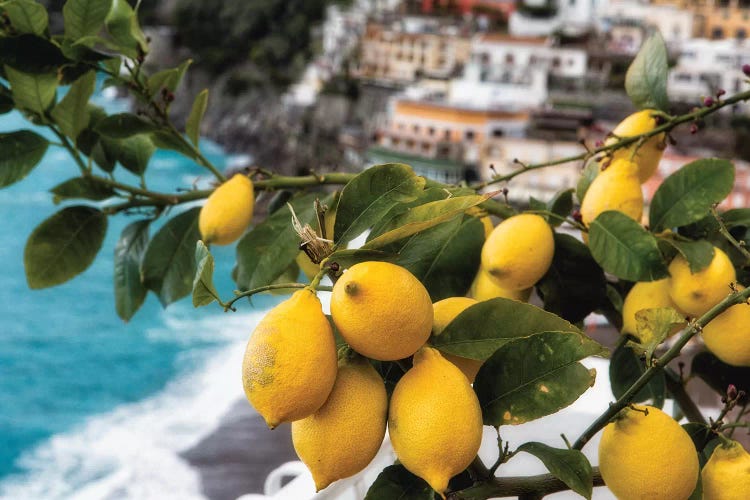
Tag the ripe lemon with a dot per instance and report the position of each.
(726, 475)
(290, 361)
(485, 219)
(484, 288)
(697, 293)
(647, 456)
(649, 153)
(446, 311)
(381, 310)
(434, 420)
(728, 335)
(645, 295)
(616, 188)
(519, 251)
(227, 212)
(345, 434)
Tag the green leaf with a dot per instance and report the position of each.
(423, 217)
(84, 17)
(122, 25)
(129, 289)
(736, 217)
(63, 246)
(384, 224)
(6, 100)
(348, 257)
(27, 16)
(71, 113)
(31, 54)
(193, 123)
(537, 205)
(86, 188)
(168, 266)
(20, 152)
(135, 152)
(481, 329)
(654, 325)
(646, 79)
(718, 375)
(124, 125)
(699, 254)
(533, 377)
(165, 140)
(561, 205)
(168, 78)
(370, 195)
(625, 367)
(569, 466)
(104, 153)
(687, 195)
(623, 248)
(574, 285)
(271, 246)
(395, 482)
(587, 177)
(32, 92)
(204, 291)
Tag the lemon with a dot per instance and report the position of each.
(649, 153)
(381, 310)
(726, 475)
(434, 420)
(519, 251)
(227, 212)
(647, 456)
(485, 219)
(645, 295)
(484, 288)
(697, 293)
(616, 188)
(446, 311)
(728, 335)
(345, 434)
(290, 361)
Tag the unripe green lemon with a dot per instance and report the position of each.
(290, 361)
(649, 153)
(381, 310)
(345, 434)
(728, 335)
(228, 211)
(726, 475)
(434, 420)
(696, 293)
(645, 295)
(519, 251)
(615, 188)
(446, 311)
(647, 457)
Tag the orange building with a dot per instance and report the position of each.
(716, 19)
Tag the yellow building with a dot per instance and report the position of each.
(716, 19)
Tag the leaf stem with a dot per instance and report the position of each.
(279, 286)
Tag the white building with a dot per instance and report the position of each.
(545, 17)
(628, 22)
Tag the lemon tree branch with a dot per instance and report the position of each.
(279, 286)
(522, 487)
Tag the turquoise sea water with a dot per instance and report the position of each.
(90, 406)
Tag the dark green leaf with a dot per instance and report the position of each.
(27, 16)
(718, 375)
(574, 284)
(370, 195)
(395, 482)
(736, 217)
(135, 152)
(6, 100)
(561, 205)
(193, 123)
(687, 195)
(86, 188)
(63, 246)
(129, 289)
(20, 152)
(535, 376)
(122, 26)
(484, 327)
(71, 113)
(348, 257)
(34, 92)
(84, 17)
(30, 54)
(625, 367)
(569, 466)
(165, 140)
(104, 153)
(587, 177)
(124, 125)
(646, 79)
(623, 248)
(699, 254)
(168, 266)
(169, 78)
(536, 204)
(204, 291)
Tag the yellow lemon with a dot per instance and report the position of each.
(728, 335)
(381, 310)
(616, 188)
(726, 475)
(485, 219)
(434, 420)
(647, 456)
(697, 293)
(345, 434)
(645, 295)
(290, 361)
(649, 153)
(519, 251)
(446, 311)
(484, 288)
(227, 212)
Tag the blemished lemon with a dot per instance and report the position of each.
(519, 251)
(728, 335)
(228, 211)
(615, 188)
(381, 310)
(345, 434)
(290, 361)
(485, 288)
(697, 293)
(446, 311)
(645, 295)
(648, 155)
(647, 456)
(434, 420)
(726, 475)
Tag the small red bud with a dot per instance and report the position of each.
(708, 101)
(731, 392)
(577, 215)
(720, 93)
(693, 128)
(746, 69)
(599, 144)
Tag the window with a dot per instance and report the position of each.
(509, 58)
(741, 34)
(447, 134)
(415, 128)
(469, 135)
(498, 132)
(717, 33)
(555, 62)
(431, 130)
(444, 151)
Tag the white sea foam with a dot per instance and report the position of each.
(133, 451)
